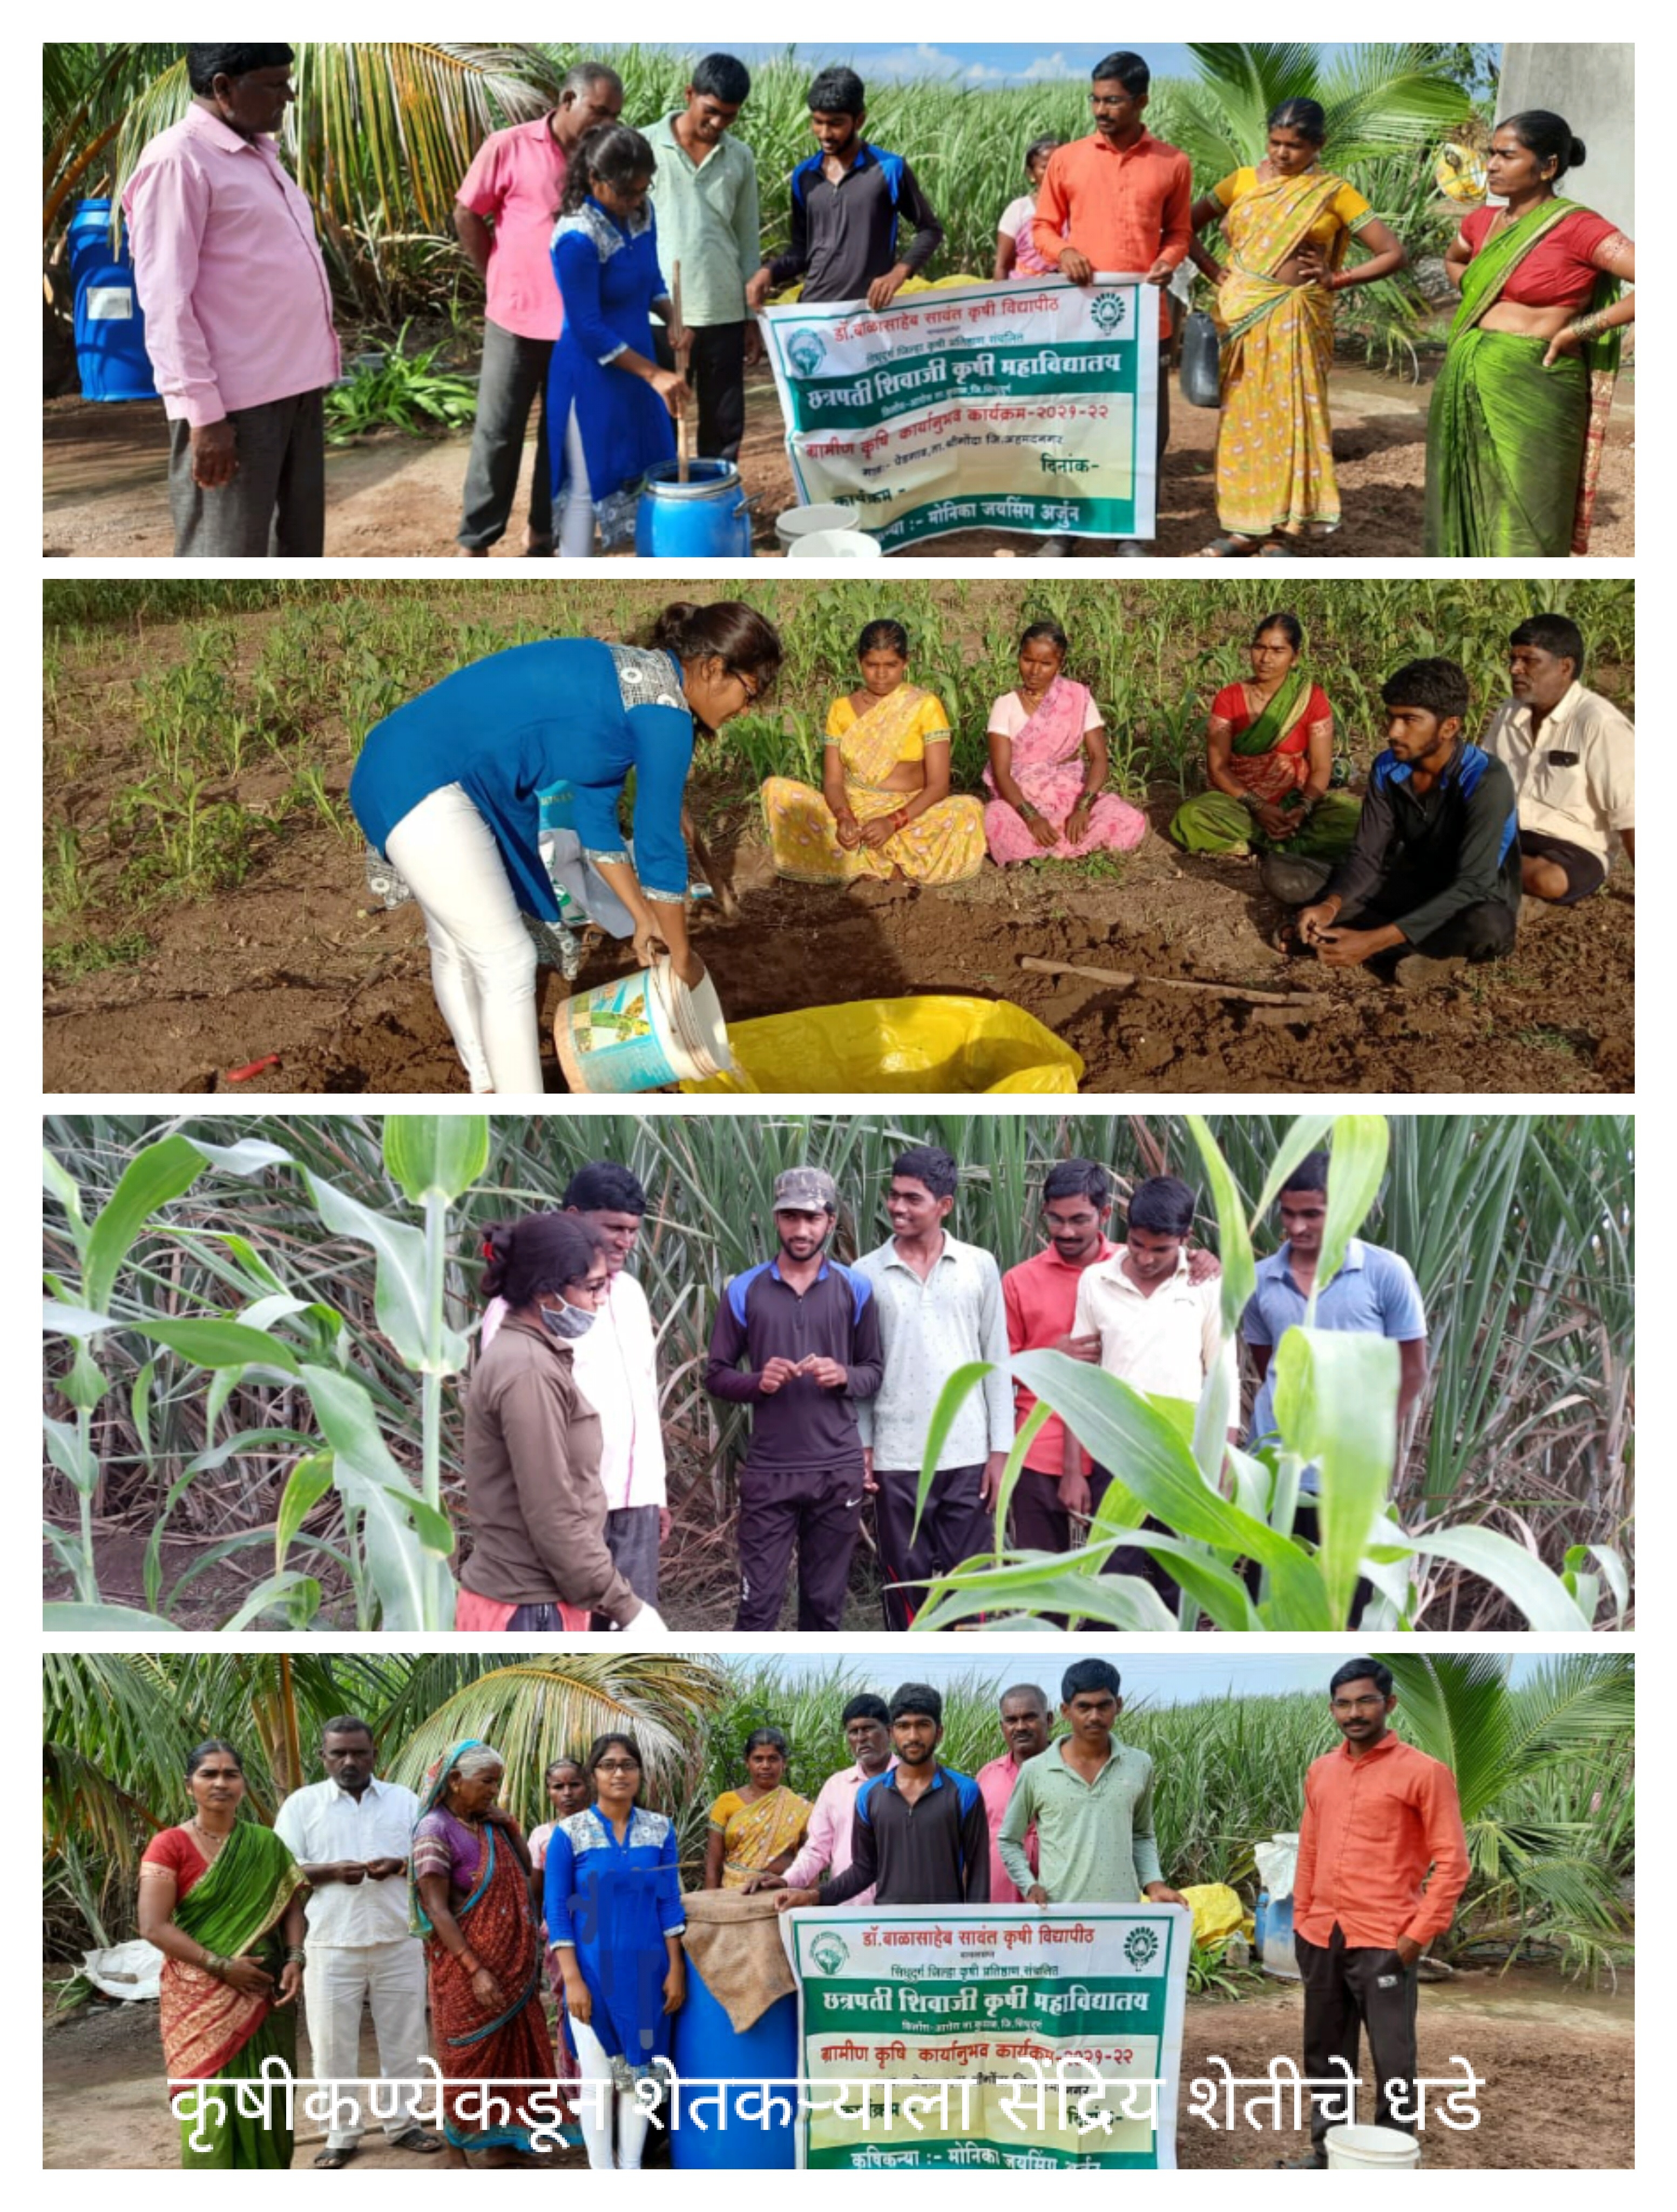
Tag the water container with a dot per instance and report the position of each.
(800, 521)
(707, 2047)
(1260, 1915)
(835, 545)
(110, 330)
(1275, 1938)
(640, 1032)
(706, 518)
(1200, 376)
(1371, 2150)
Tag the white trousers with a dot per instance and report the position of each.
(576, 514)
(483, 961)
(593, 2108)
(337, 1983)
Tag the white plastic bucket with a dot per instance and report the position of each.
(836, 545)
(640, 1032)
(799, 521)
(1364, 2150)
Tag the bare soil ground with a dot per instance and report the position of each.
(392, 495)
(1558, 2070)
(295, 964)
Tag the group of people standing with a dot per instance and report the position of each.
(842, 1366)
(365, 1895)
(578, 224)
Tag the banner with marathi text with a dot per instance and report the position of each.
(1026, 406)
(994, 2036)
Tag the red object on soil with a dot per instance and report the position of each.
(243, 1074)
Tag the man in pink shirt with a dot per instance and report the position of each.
(1025, 1729)
(239, 314)
(827, 1840)
(504, 212)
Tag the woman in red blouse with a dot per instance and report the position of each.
(1520, 409)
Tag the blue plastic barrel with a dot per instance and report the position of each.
(707, 2047)
(706, 518)
(110, 330)
(1259, 1914)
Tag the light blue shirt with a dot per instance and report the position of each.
(1374, 1293)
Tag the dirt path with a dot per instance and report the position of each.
(1559, 2071)
(104, 495)
(295, 965)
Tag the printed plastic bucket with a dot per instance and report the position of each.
(640, 1032)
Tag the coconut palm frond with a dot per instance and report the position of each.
(536, 1710)
(1454, 1708)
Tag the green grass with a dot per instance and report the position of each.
(88, 956)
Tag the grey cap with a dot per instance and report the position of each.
(805, 1190)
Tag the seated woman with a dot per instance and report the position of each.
(1269, 758)
(757, 1829)
(883, 809)
(1047, 765)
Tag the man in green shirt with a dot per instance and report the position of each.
(705, 198)
(1090, 1799)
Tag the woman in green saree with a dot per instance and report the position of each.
(223, 1899)
(1520, 409)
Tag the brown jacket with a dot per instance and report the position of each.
(533, 1450)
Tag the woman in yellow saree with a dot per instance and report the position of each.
(1288, 222)
(883, 809)
(757, 1829)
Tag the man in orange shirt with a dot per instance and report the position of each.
(1116, 201)
(1377, 1815)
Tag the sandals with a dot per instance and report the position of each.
(332, 2160)
(1227, 549)
(415, 2138)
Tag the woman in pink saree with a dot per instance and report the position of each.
(1048, 765)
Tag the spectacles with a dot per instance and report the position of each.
(618, 1766)
(753, 691)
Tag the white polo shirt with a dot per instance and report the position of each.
(1577, 781)
(323, 1823)
(1164, 1344)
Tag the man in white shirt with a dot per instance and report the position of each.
(940, 1308)
(616, 1367)
(350, 1835)
(1159, 1331)
(1572, 757)
(827, 1840)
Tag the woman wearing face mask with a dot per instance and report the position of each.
(532, 1445)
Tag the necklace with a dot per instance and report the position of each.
(204, 1835)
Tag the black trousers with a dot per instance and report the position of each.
(1041, 1523)
(956, 1524)
(818, 1510)
(716, 369)
(1351, 1992)
(275, 508)
(1477, 933)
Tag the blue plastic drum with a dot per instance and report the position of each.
(708, 2048)
(110, 330)
(706, 518)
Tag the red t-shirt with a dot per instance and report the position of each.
(174, 1849)
(1558, 272)
(1230, 706)
(1040, 1297)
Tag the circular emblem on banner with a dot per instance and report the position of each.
(1140, 1947)
(830, 1952)
(806, 350)
(1106, 311)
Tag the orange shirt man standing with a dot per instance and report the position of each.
(1378, 1815)
(1115, 201)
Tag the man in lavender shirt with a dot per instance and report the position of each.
(504, 212)
(826, 1849)
(239, 314)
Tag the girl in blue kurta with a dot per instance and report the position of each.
(605, 391)
(615, 1919)
(449, 789)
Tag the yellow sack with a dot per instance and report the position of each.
(1218, 1914)
(964, 1045)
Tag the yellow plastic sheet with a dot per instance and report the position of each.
(964, 1045)
(1218, 1914)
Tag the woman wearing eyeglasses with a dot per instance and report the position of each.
(450, 790)
(539, 1560)
(615, 1921)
